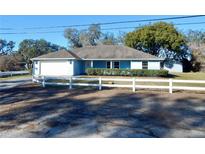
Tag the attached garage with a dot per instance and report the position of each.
(56, 68)
(61, 63)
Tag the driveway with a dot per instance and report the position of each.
(6, 84)
(32, 111)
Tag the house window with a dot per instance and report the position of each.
(36, 62)
(116, 64)
(108, 64)
(145, 65)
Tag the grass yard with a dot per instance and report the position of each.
(190, 76)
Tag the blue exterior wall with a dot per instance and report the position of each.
(102, 64)
(79, 67)
(125, 64)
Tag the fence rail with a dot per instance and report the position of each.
(11, 73)
(128, 83)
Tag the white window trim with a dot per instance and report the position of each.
(91, 64)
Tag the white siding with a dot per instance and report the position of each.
(153, 65)
(56, 68)
(136, 65)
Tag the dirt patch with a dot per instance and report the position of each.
(33, 111)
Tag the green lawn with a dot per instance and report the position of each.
(190, 76)
(15, 77)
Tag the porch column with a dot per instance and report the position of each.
(91, 63)
(111, 64)
(39, 68)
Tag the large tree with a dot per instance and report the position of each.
(73, 36)
(29, 48)
(6, 47)
(196, 38)
(86, 37)
(94, 33)
(160, 39)
(109, 39)
(196, 41)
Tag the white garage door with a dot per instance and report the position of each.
(56, 68)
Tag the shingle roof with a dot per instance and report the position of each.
(112, 52)
(58, 54)
(100, 52)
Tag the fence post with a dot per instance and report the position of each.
(33, 78)
(170, 86)
(100, 83)
(70, 85)
(133, 85)
(43, 82)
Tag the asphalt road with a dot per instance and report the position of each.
(11, 83)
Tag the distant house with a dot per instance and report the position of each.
(76, 61)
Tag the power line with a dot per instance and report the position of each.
(109, 23)
(103, 29)
(191, 23)
(179, 24)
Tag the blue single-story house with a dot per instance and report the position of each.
(75, 62)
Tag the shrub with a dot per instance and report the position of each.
(126, 72)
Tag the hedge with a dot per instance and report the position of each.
(126, 72)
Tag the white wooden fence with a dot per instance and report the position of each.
(134, 83)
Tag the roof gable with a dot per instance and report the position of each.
(61, 54)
